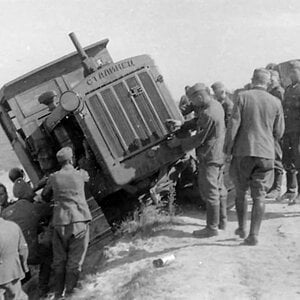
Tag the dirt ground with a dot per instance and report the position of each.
(214, 268)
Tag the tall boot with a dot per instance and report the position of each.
(241, 206)
(291, 181)
(291, 186)
(71, 280)
(223, 213)
(296, 199)
(59, 284)
(274, 193)
(44, 277)
(212, 216)
(212, 222)
(258, 210)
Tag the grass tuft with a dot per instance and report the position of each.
(149, 216)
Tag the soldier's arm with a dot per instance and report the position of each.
(47, 192)
(206, 124)
(43, 210)
(233, 127)
(85, 175)
(279, 125)
(23, 251)
(190, 124)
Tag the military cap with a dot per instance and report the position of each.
(64, 154)
(198, 87)
(271, 66)
(295, 64)
(47, 97)
(15, 173)
(217, 85)
(22, 189)
(261, 74)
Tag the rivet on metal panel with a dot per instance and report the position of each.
(151, 153)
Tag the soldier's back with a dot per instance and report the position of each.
(291, 108)
(258, 111)
(69, 197)
(27, 215)
(10, 266)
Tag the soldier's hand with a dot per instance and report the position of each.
(173, 124)
(174, 142)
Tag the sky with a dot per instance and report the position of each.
(190, 40)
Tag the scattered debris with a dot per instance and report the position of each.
(163, 261)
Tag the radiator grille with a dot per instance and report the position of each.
(130, 114)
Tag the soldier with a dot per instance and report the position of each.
(28, 215)
(3, 197)
(257, 120)
(71, 217)
(13, 257)
(275, 87)
(185, 105)
(276, 90)
(15, 173)
(209, 150)
(221, 95)
(291, 138)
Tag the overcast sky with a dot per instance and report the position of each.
(190, 40)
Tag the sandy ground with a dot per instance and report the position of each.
(214, 268)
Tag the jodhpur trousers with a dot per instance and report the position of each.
(70, 243)
(213, 192)
(12, 291)
(291, 160)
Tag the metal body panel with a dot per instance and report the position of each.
(68, 65)
(125, 106)
(125, 112)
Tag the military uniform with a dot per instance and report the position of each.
(227, 105)
(13, 257)
(209, 142)
(3, 197)
(222, 96)
(278, 92)
(256, 121)
(71, 217)
(27, 215)
(291, 138)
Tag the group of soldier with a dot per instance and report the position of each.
(52, 233)
(248, 130)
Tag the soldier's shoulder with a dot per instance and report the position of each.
(83, 173)
(54, 173)
(215, 109)
(245, 93)
(297, 87)
(293, 88)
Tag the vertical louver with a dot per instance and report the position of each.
(129, 113)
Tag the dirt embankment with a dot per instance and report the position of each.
(214, 268)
